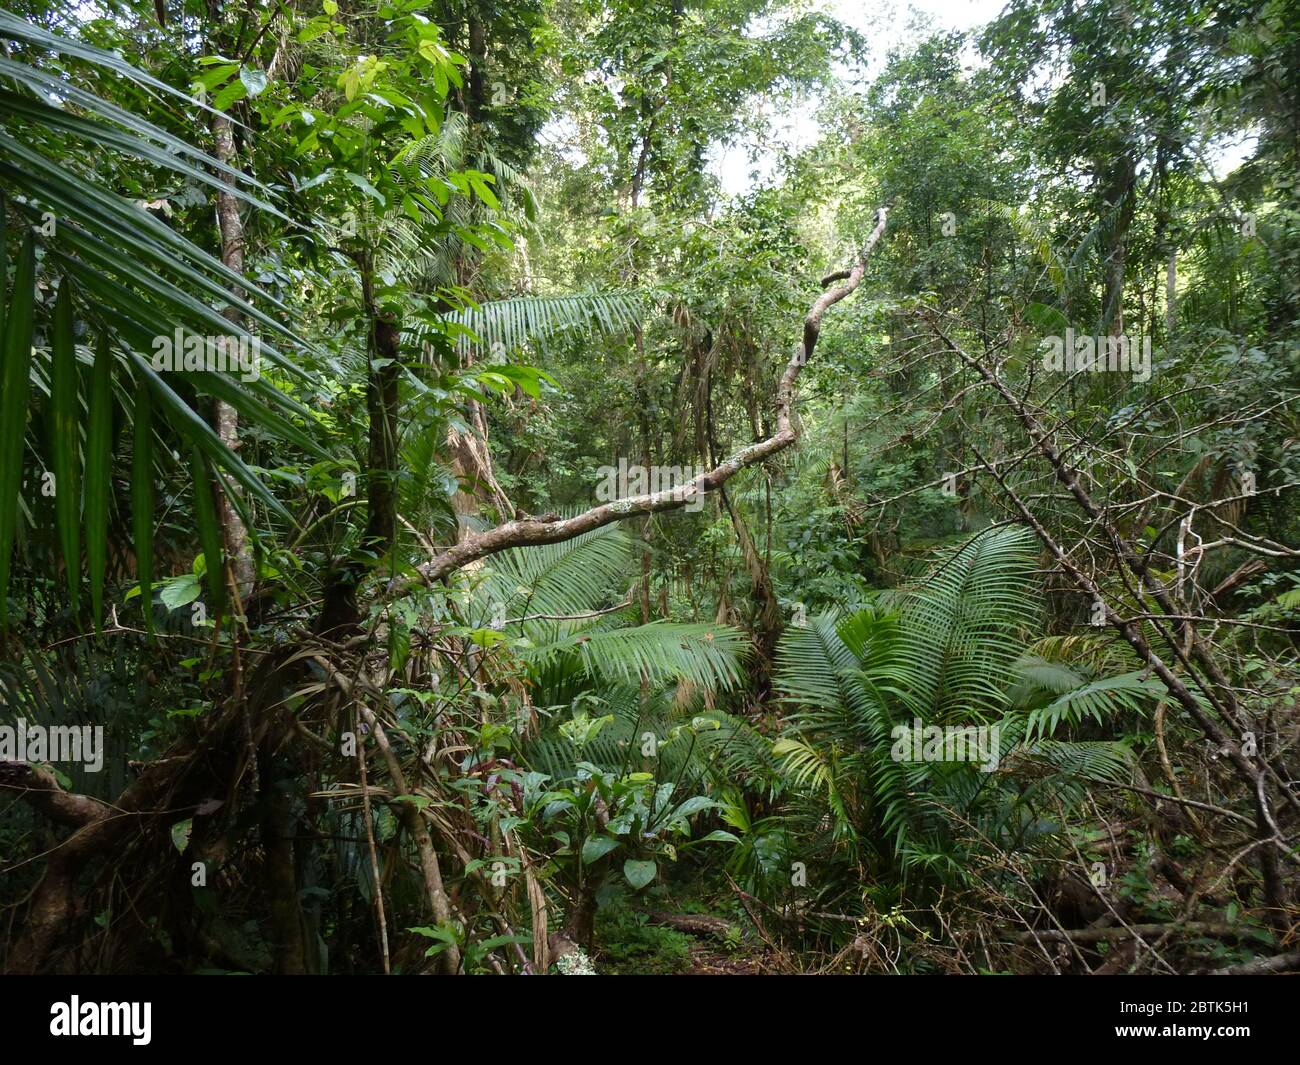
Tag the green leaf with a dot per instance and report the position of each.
(231, 93)
(1290, 599)
(181, 834)
(15, 28)
(99, 470)
(484, 193)
(365, 186)
(596, 847)
(142, 497)
(180, 591)
(15, 376)
(693, 806)
(186, 421)
(639, 873)
(254, 80)
(170, 154)
(65, 429)
(205, 517)
(719, 835)
(445, 937)
(1046, 319)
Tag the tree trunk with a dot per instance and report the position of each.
(381, 406)
(226, 417)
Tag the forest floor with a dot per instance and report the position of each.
(708, 960)
(676, 942)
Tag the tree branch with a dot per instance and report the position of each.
(42, 792)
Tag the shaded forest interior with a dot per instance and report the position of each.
(649, 487)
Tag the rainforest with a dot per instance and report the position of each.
(649, 487)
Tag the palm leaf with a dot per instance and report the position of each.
(65, 438)
(1100, 700)
(509, 325)
(16, 379)
(142, 498)
(99, 465)
(961, 626)
(557, 580)
(136, 279)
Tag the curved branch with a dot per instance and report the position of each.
(43, 792)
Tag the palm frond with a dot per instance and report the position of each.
(962, 626)
(708, 657)
(509, 325)
(553, 581)
(1098, 759)
(1100, 700)
(814, 666)
(136, 279)
(1038, 679)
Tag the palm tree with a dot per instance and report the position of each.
(951, 651)
(553, 602)
(124, 278)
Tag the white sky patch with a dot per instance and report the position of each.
(885, 24)
(1226, 154)
(561, 134)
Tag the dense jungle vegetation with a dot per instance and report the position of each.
(476, 497)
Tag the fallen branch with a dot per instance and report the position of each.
(1215, 929)
(695, 924)
(1281, 963)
